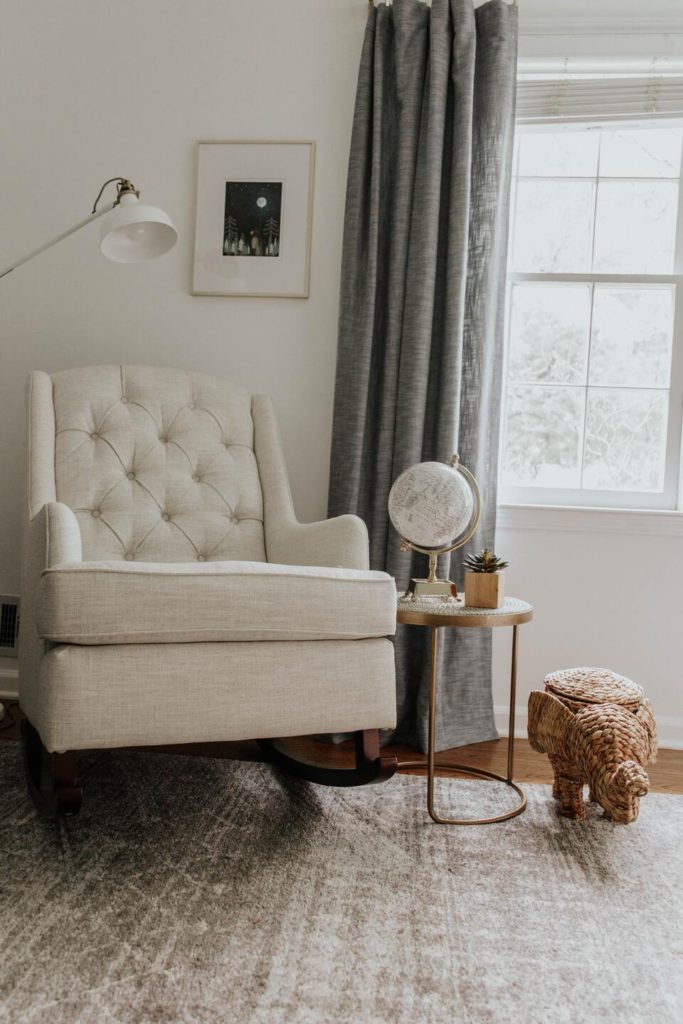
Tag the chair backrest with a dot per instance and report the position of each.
(158, 465)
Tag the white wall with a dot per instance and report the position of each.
(607, 588)
(92, 89)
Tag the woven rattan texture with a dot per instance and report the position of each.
(594, 686)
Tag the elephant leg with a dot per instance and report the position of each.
(562, 769)
(571, 798)
(567, 787)
(556, 777)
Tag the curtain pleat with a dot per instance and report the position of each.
(422, 296)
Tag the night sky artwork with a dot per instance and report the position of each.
(252, 218)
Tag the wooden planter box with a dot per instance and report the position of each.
(484, 589)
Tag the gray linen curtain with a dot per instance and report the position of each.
(420, 336)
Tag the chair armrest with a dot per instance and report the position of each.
(61, 532)
(52, 537)
(340, 542)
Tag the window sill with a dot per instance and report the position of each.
(567, 519)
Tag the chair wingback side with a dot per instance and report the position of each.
(40, 430)
(158, 465)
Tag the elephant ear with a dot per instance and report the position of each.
(646, 718)
(549, 722)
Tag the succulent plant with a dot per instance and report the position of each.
(485, 561)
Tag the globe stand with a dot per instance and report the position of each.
(432, 586)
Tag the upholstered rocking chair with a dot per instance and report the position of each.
(171, 598)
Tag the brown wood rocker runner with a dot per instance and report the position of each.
(55, 787)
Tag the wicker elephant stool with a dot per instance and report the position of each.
(598, 730)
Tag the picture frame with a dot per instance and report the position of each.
(253, 218)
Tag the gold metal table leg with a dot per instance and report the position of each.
(432, 763)
(513, 705)
(431, 742)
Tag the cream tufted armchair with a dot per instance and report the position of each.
(169, 594)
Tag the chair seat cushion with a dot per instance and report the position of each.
(145, 602)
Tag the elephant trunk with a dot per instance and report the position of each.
(622, 790)
(633, 777)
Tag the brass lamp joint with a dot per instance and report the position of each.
(124, 187)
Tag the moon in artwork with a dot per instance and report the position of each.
(261, 202)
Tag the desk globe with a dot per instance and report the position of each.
(435, 507)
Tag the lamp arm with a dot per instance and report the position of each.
(59, 238)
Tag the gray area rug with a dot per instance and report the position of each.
(198, 890)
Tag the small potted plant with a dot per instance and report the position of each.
(484, 580)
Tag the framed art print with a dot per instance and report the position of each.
(253, 224)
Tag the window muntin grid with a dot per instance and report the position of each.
(589, 417)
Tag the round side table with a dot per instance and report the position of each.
(435, 615)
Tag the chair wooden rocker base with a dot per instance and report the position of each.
(370, 767)
(52, 778)
(55, 788)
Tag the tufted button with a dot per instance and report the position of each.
(124, 400)
(96, 513)
(95, 436)
(192, 406)
(165, 516)
(196, 477)
(200, 558)
(226, 444)
(234, 519)
(130, 476)
(164, 440)
(130, 557)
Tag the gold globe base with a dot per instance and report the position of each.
(443, 589)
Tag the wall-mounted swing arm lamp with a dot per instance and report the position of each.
(130, 233)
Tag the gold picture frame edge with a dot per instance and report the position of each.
(309, 234)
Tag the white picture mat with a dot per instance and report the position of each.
(287, 274)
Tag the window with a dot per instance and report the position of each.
(594, 338)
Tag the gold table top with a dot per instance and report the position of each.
(429, 611)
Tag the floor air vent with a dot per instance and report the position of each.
(9, 626)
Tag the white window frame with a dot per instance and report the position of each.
(670, 497)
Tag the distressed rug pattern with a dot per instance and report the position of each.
(191, 890)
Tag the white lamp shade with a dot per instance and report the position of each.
(134, 232)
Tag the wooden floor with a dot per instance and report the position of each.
(666, 775)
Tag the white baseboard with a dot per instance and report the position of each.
(669, 727)
(9, 679)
